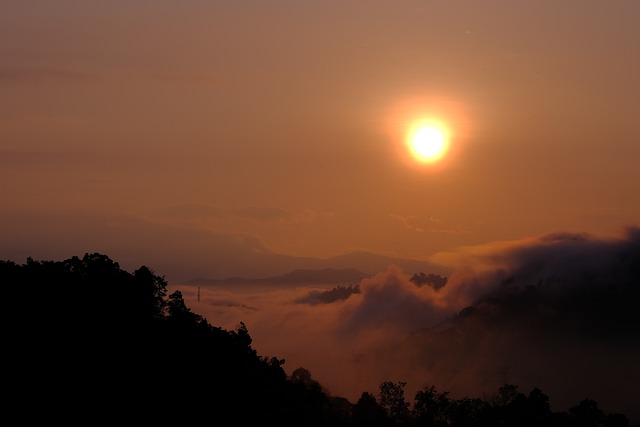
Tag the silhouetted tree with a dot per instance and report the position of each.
(431, 408)
(147, 296)
(616, 420)
(318, 407)
(538, 409)
(303, 376)
(367, 412)
(393, 401)
(470, 412)
(507, 393)
(434, 280)
(586, 414)
(178, 311)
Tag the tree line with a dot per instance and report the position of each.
(88, 342)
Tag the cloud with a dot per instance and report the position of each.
(406, 222)
(427, 225)
(555, 312)
(390, 301)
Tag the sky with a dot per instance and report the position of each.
(216, 139)
(282, 124)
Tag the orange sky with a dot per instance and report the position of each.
(212, 139)
(282, 123)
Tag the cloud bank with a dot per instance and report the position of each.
(555, 312)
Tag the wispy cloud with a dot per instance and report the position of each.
(406, 222)
(429, 224)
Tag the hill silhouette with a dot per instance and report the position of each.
(88, 342)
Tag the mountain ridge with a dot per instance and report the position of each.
(343, 269)
(297, 276)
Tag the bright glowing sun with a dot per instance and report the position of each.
(428, 143)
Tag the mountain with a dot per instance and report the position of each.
(324, 276)
(340, 270)
(559, 314)
(374, 263)
(181, 252)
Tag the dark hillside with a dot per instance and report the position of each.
(88, 341)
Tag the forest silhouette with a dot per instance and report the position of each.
(88, 342)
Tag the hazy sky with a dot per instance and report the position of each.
(210, 138)
(283, 122)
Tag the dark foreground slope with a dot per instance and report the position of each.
(86, 342)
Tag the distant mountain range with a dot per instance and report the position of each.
(371, 263)
(180, 252)
(345, 276)
(348, 269)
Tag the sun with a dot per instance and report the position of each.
(428, 134)
(428, 142)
